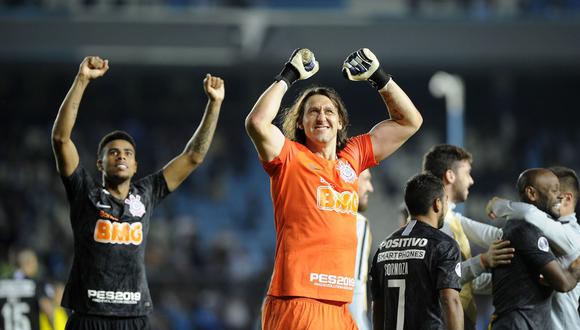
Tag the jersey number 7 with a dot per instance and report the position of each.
(401, 284)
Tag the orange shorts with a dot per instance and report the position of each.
(299, 313)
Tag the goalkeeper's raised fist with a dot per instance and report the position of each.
(364, 65)
(301, 65)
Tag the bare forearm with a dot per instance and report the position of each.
(67, 113)
(561, 280)
(453, 315)
(401, 108)
(266, 108)
(199, 143)
(451, 308)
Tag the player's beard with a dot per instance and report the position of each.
(363, 204)
(548, 206)
(460, 194)
(441, 220)
(115, 180)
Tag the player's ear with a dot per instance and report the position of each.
(437, 205)
(100, 165)
(531, 193)
(449, 176)
(568, 197)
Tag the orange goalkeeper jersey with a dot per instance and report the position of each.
(315, 206)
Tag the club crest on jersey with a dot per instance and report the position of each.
(347, 174)
(543, 244)
(136, 207)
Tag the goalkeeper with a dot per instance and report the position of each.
(313, 167)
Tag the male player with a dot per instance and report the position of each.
(314, 168)
(107, 287)
(563, 235)
(359, 306)
(521, 301)
(452, 165)
(24, 296)
(415, 274)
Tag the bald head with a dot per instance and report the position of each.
(540, 187)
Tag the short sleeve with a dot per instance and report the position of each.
(533, 247)
(448, 266)
(288, 150)
(360, 150)
(376, 279)
(155, 185)
(76, 185)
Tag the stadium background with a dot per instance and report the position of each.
(211, 243)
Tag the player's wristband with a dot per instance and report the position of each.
(289, 74)
(379, 78)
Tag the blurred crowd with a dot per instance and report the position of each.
(477, 8)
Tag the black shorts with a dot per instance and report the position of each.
(99, 322)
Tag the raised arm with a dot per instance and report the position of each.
(451, 309)
(65, 152)
(179, 168)
(388, 135)
(267, 138)
(563, 241)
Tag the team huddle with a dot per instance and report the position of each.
(423, 276)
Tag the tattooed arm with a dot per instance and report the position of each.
(388, 135)
(178, 169)
(65, 152)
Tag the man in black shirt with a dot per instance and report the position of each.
(522, 290)
(23, 296)
(107, 287)
(416, 272)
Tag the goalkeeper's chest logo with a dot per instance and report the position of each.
(328, 199)
(345, 171)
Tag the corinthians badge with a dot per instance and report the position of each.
(347, 174)
(136, 207)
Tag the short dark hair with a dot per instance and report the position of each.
(114, 135)
(443, 157)
(568, 180)
(528, 179)
(421, 191)
(292, 116)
